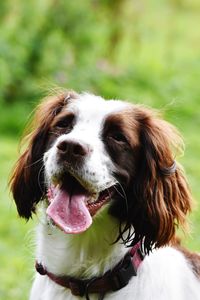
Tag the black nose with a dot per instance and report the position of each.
(72, 151)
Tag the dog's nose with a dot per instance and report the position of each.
(71, 150)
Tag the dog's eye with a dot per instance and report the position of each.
(62, 124)
(65, 123)
(118, 137)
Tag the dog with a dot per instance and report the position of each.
(103, 179)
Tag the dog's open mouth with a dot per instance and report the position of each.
(72, 206)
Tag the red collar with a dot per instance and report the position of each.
(112, 280)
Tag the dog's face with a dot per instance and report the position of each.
(78, 168)
(86, 153)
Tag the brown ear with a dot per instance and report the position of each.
(27, 179)
(160, 188)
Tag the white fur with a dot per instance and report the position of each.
(163, 275)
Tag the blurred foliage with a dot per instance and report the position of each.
(145, 51)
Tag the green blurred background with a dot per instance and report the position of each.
(144, 51)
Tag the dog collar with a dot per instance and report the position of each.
(112, 280)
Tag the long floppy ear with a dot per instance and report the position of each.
(27, 179)
(161, 194)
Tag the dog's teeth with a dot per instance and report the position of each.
(92, 199)
(89, 201)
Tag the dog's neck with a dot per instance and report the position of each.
(88, 254)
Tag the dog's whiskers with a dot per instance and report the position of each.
(34, 163)
(38, 178)
(123, 194)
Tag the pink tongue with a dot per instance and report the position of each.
(69, 213)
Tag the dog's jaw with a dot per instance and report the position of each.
(95, 178)
(72, 206)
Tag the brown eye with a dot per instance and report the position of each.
(66, 122)
(118, 137)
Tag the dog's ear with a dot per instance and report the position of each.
(161, 193)
(27, 179)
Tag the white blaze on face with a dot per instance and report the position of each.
(90, 113)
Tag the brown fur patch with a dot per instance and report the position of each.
(156, 203)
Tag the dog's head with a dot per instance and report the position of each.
(85, 153)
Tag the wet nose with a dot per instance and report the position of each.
(71, 151)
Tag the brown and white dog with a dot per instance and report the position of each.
(104, 175)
